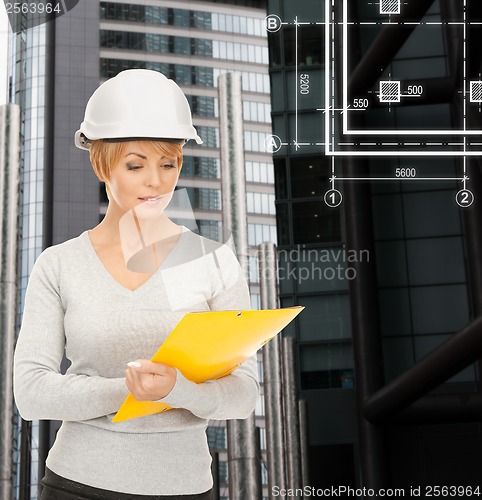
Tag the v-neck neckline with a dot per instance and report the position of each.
(108, 276)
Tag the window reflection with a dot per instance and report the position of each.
(258, 233)
(259, 172)
(184, 74)
(310, 46)
(315, 222)
(204, 198)
(309, 177)
(327, 366)
(194, 166)
(151, 14)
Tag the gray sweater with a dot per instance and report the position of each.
(73, 304)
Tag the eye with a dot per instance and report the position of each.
(168, 166)
(133, 167)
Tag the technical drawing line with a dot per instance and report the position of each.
(465, 91)
(415, 132)
(401, 179)
(332, 180)
(381, 23)
(345, 70)
(403, 144)
(402, 153)
(465, 68)
(296, 82)
(327, 75)
(333, 69)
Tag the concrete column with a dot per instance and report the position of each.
(272, 375)
(243, 454)
(9, 221)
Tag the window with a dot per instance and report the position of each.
(255, 301)
(209, 135)
(261, 377)
(310, 177)
(326, 317)
(205, 198)
(202, 20)
(264, 473)
(194, 166)
(260, 203)
(256, 111)
(243, 52)
(216, 437)
(253, 269)
(202, 106)
(310, 46)
(181, 44)
(180, 17)
(262, 436)
(181, 73)
(258, 233)
(223, 472)
(254, 141)
(210, 229)
(203, 76)
(259, 409)
(315, 222)
(326, 366)
(156, 15)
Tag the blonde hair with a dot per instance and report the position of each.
(105, 155)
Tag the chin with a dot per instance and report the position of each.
(145, 211)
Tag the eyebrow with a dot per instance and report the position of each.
(137, 154)
(145, 157)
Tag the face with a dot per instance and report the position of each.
(143, 179)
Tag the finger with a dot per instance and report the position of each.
(130, 381)
(135, 384)
(132, 378)
(146, 366)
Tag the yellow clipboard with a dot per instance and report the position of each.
(209, 345)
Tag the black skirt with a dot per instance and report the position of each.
(58, 488)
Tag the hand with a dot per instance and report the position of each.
(148, 381)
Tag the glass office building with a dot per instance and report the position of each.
(385, 276)
(53, 70)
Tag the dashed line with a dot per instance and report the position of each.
(385, 144)
(385, 23)
(400, 179)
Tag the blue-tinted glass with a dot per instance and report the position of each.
(439, 309)
(326, 317)
(326, 366)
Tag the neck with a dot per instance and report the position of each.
(119, 226)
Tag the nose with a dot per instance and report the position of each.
(153, 177)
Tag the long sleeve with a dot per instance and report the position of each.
(233, 396)
(41, 391)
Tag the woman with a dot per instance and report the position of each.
(111, 296)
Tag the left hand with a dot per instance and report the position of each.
(150, 381)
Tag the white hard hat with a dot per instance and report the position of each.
(137, 104)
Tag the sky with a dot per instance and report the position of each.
(4, 27)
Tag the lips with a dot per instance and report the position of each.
(151, 199)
